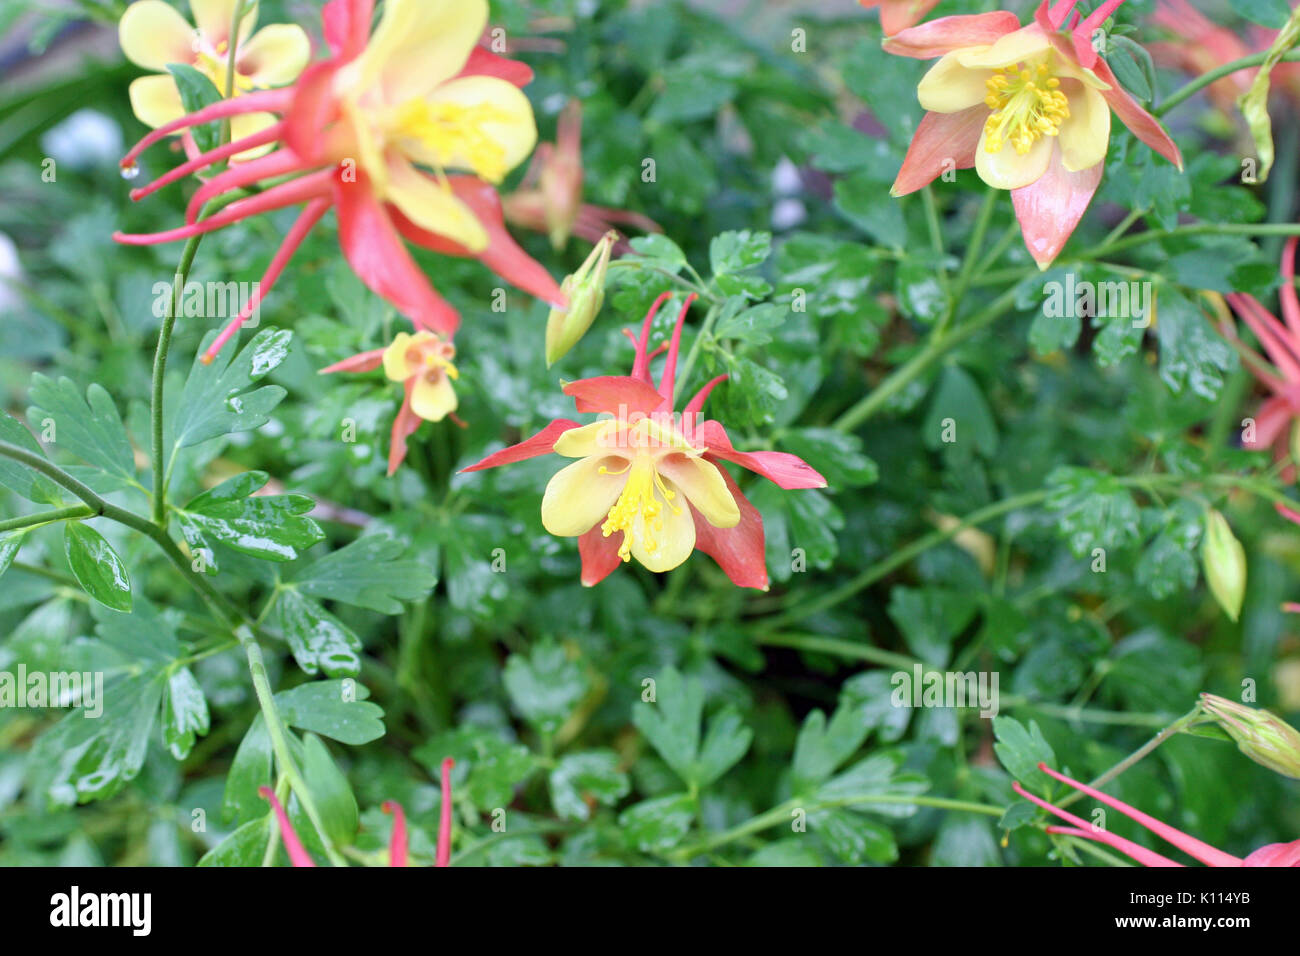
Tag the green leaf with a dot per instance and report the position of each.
(659, 251)
(545, 686)
(930, 618)
(836, 455)
(753, 326)
(184, 712)
(594, 774)
(732, 252)
(337, 709)
(1021, 751)
(331, 791)
(96, 566)
(319, 640)
(654, 826)
(672, 725)
(245, 847)
(821, 748)
(368, 573)
(80, 759)
(250, 770)
(866, 203)
(959, 403)
(875, 776)
(219, 399)
(965, 840)
(89, 427)
(725, 742)
(18, 478)
(1192, 355)
(1168, 565)
(1093, 509)
(271, 527)
(197, 91)
(488, 769)
(853, 838)
(10, 542)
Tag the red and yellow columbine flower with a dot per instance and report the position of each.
(375, 132)
(897, 15)
(153, 34)
(648, 483)
(549, 200)
(1028, 107)
(423, 364)
(398, 850)
(1281, 340)
(1274, 854)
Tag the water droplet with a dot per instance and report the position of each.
(130, 172)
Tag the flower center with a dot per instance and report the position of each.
(639, 501)
(213, 66)
(1027, 104)
(452, 135)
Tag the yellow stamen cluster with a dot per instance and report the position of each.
(1027, 104)
(638, 500)
(455, 135)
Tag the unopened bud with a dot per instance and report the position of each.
(585, 291)
(1263, 737)
(1224, 561)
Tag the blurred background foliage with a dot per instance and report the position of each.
(772, 170)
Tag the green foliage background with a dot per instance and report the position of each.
(1072, 435)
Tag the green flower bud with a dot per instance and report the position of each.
(585, 290)
(1224, 561)
(1263, 737)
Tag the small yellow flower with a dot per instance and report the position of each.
(153, 34)
(423, 362)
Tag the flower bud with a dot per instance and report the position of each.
(585, 291)
(1263, 737)
(1224, 561)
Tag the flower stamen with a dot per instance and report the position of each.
(1027, 104)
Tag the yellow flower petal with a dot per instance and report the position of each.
(491, 131)
(154, 34)
(246, 124)
(213, 19)
(704, 485)
(430, 206)
(419, 44)
(1026, 43)
(579, 496)
(1085, 134)
(396, 365)
(155, 100)
(275, 55)
(950, 86)
(599, 438)
(433, 401)
(1007, 169)
(673, 543)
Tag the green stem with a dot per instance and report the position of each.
(1195, 229)
(1183, 722)
(936, 234)
(973, 251)
(101, 508)
(908, 372)
(1205, 79)
(159, 371)
(840, 648)
(280, 738)
(781, 814)
(46, 517)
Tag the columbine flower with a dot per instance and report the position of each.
(1282, 343)
(1262, 736)
(648, 483)
(398, 851)
(549, 200)
(1028, 107)
(375, 132)
(896, 15)
(423, 364)
(153, 35)
(1274, 854)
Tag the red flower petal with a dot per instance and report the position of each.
(618, 395)
(739, 550)
(347, 26)
(1143, 125)
(377, 255)
(599, 555)
(1050, 207)
(788, 471)
(483, 62)
(543, 443)
(942, 141)
(929, 40)
(404, 426)
(364, 362)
